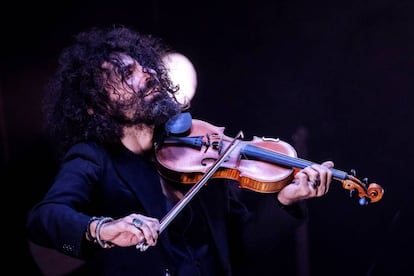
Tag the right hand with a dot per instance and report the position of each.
(130, 230)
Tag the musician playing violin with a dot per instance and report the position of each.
(107, 103)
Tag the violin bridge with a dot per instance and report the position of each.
(270, 139)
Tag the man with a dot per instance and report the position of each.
(107, 105)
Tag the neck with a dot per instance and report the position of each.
(138, 139)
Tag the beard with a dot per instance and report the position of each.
(154, 111)
(158, 110)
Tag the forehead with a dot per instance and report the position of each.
(118, 58)
(125, 59)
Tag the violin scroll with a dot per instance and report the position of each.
(367, 192)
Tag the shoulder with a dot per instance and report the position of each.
(86, 150)
(86, 147)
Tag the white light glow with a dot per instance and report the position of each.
(183, 74)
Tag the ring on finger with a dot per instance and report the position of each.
(137, 222)
(315, 183)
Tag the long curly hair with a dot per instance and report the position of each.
(78, 84)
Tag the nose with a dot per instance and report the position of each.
(148, 72)
(149, 75)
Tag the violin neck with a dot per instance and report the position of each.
(251, 151)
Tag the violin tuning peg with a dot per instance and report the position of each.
(365, 180)
(353, 172)
(363, 201)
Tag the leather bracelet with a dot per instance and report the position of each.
(101, 221)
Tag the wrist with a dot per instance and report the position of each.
(282, 202)
(292, 208)
(90, 229)
(93, 231)
(281, 205)
(98, 227)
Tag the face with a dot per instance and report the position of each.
(136, 93)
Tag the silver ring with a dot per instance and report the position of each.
(315, 183)
(137, 222)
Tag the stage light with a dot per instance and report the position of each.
(182, 73)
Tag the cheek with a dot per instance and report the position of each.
(134, 80)
(113, 96)
(122, 94)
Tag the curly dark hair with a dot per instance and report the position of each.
(78, 84)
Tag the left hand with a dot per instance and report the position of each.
(312, 181)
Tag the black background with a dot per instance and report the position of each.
(343, 70)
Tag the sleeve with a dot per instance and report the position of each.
(59, 220)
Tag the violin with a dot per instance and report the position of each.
(264, 165)
(193, 151)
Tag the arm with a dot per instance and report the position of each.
(62, 218)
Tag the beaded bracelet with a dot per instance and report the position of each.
(102, 243)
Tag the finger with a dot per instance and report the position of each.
(150, 233)
(328, 164)
(313, 178)
(325, 175)
(142, 238)
(328, 181)
(311, 171)
(137, 222)
(149, 227)
(315, 183)
(138, 234)
(154, 225)
(301, 178)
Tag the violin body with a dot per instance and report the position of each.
(186, 163)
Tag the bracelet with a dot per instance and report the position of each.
(88, 229)
(102, 243)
